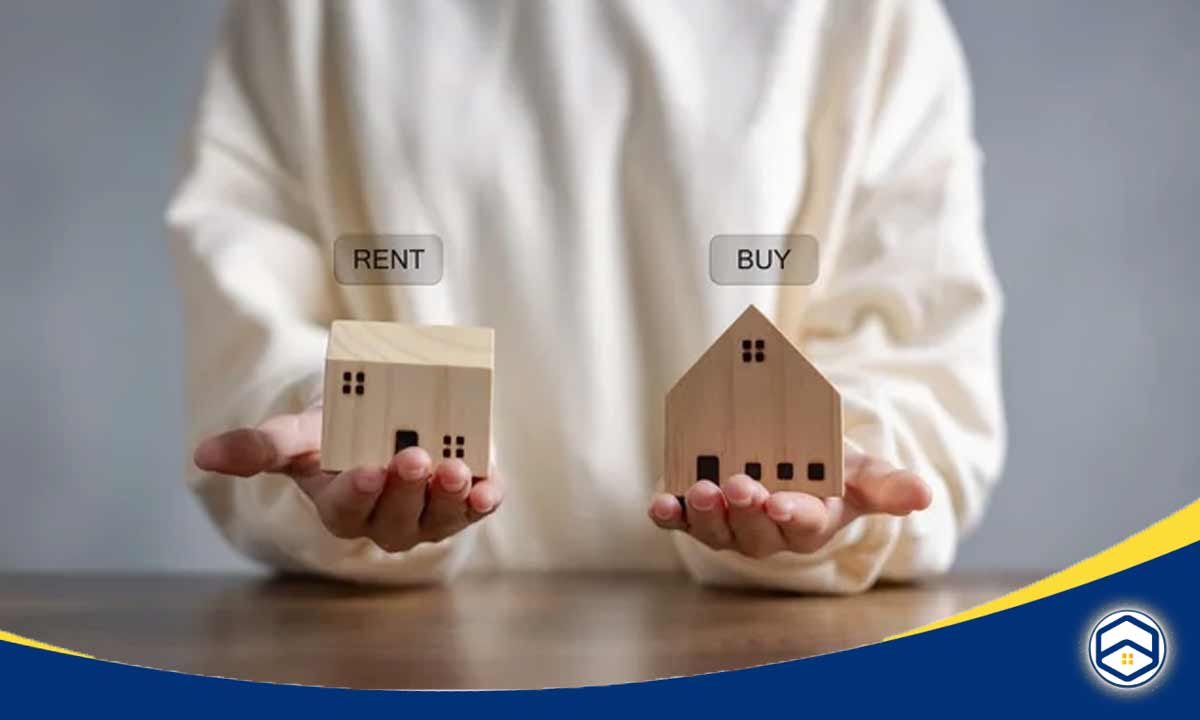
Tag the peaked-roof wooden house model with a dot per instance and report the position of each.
(754, 404)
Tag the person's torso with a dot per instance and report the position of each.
(576, 159)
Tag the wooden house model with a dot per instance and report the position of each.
(390, 386)
(753, 404)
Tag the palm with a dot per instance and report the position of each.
(741, 515)
(398, 506)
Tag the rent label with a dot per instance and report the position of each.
(388, 259)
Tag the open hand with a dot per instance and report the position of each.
(742, 515)
(408, 502)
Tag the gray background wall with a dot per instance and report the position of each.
(1088, 114)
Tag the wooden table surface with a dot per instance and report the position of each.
(504, 631)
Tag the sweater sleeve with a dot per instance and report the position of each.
(258, 297)
(905, 322)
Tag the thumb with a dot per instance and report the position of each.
(875, 486)
(270, 447)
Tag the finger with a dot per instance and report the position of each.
(706, 515)
(270, 447)
(446, 508)
(805, 521)
(395, 525)
(667, 513)
(754, 533)
(306, 471)
(875, 486)
(485, 496)
(346, 502)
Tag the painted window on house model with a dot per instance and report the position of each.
(354, 382)
(754, 350)
(456, 445)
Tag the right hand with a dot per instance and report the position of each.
(408, 502)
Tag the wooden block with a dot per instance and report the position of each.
(754, 404)
(388, 386)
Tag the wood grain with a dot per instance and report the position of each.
(382, 379)
(773, 408)
(511, 631)
(390, 342)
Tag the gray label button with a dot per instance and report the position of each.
(388, 259)
(763, 259)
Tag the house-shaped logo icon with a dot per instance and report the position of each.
(1127, 648)
(390, 386)
(754, 404)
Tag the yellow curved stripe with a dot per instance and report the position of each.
(17, 639)
(1177, 530)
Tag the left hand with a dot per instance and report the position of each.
(411, 500)
(742, 515)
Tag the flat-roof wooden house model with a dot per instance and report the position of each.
(390, 386)
(754, 404)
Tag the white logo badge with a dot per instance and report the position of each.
(1127, 648)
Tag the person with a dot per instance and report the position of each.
(576, 159)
